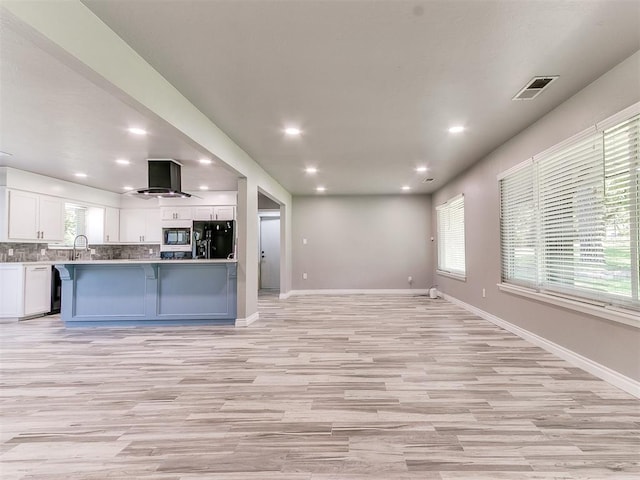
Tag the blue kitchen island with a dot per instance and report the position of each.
(148, 292)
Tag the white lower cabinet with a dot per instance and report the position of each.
(25, 290)
(37, 289)
(11, 290)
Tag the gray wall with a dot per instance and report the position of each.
(614, 345)
(265, 203)
(362, 242)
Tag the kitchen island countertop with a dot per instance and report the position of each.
(134, 261)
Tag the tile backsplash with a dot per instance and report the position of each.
(31, 252)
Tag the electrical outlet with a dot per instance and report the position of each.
(151, 251)
(484, 293)
(10, 252)
(93, 251)
(43, 251)
(409, 279)
(304, 241)
(304, 276)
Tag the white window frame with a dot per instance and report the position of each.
(448, 216)
(605, 306)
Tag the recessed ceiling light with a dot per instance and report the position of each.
(292, 131)
(321, 189)
(137, 131)
(406, 187)
(204, 187)
(311, 170)
(123, 161)
(205, 161)
(421, 169)
(80, 175)
(5, 154)
(456, 129)
(127, 187)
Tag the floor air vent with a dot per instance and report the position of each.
(534, 87)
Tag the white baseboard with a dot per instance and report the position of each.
(370, 291)
(245, 322)
(284, 296)
(616, 379)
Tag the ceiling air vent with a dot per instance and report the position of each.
(427, 180)
(535, 86)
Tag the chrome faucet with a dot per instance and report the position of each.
(76, 255)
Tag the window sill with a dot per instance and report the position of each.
(619, 315)
(455, 276)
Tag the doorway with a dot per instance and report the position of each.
(269, 252)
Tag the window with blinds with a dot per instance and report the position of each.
(570, 217)
(75, 222)
(450, 225)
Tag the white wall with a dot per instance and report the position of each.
(32, 182)
(361, 242)
(614, 345)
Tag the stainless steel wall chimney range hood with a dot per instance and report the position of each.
(164, 180)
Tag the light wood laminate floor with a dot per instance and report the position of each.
(320, 388)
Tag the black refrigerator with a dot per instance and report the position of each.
(213, 239)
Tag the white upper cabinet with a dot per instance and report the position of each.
(103, 225)
(176, 213)
(224, 213)
(35, 217)
(23, 216)
(214, 213)
(111, 225)
(203, 213)
(51, 218)
(153, 227)
(132, 225)
(140, 225)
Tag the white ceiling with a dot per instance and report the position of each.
(373, 84)
(57, 123)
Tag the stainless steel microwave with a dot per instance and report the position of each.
(176, 236)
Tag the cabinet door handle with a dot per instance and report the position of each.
(33, 269)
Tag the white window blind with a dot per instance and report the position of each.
(450, 224)
(74, 222)
(519, 227)
(569, 218)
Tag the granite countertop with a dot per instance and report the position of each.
(125, 262)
